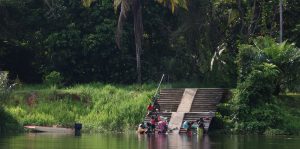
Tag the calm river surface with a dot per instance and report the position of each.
(134, 141)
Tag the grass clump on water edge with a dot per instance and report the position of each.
(116, 107)
(99, 107)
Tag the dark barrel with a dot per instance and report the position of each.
(77, 128)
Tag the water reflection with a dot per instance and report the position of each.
(173, 141)
(134, 141)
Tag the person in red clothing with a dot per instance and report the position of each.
(150, 108)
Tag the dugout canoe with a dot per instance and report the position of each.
(49, 129)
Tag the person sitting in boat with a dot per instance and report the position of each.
(141, 129)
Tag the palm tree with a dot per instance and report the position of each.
(136, 7)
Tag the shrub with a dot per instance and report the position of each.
(285, 56)
(8, 123)
(265, 69)
(53, 78)
(271, 132)
(259, 85)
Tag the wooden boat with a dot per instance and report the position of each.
(49, 129)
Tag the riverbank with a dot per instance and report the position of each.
(97, 106)
(104, 107)
(279, 117)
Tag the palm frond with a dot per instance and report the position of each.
(175, 3)
(87, 3)
(124, 4)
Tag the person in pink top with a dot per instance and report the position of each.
(163, 127)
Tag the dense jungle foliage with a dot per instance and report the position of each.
(38, 38)
(266, 69)
(211, 43)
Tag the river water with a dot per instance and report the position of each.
(134, 141)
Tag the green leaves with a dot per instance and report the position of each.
(175, 3)
(264, 68)
(53, 78)
(87, 3)
(284, 56)
(258, 86)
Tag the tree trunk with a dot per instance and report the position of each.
(121, 20)
(241, 14)
(138, 34)
(281, 21)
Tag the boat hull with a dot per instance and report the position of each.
(49, 129)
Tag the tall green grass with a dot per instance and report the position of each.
(99, 107)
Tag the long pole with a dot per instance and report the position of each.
(162, 77)
(281, 23)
